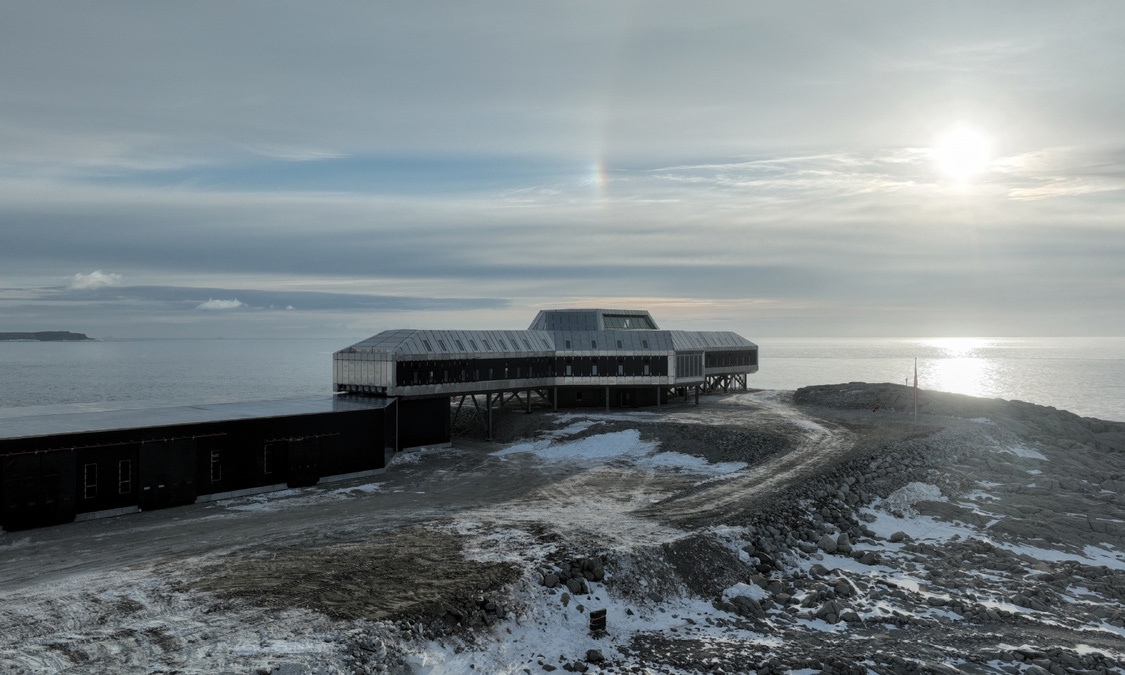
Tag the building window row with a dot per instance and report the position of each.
(742, 357)
(419, 373)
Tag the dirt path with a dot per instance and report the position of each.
(816, 443)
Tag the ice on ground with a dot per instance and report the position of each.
(618, 445)
(1023, 451)
(296, 497)
(917, 527)
(902, 500)
(749, 590)
(678, 460)
(603, 446)
(416, 455)
(547, 630)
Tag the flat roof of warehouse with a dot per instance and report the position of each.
(112, 416)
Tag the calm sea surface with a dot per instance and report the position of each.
(1083, 375)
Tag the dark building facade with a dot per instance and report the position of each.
(56, 468)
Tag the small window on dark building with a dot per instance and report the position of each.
(619, 344)
(473, 345)
(460, 347)
(487, 347)
(646, 371)
(644, 344)
(568, 344)
(594, 369)
(593, 344)
(569, 370)
(621, 369)
(90, 481)
(441, 344)
(426, 344)
(124, 477)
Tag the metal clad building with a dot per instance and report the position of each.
(58, 467)
(570, 352)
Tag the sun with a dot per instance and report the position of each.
(963, 153)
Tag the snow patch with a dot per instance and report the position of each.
(902, 500)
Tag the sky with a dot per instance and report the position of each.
(258, 169)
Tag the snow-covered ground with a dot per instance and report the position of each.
(748, 534)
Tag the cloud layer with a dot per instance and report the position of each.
(764, 168)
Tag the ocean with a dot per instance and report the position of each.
(1083, 375)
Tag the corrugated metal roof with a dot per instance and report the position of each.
(688, 340)
(579, 334)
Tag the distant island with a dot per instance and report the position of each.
(44, 336)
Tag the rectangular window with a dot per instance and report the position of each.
(441, 343)
(593, 344)
(594, 369)
(486, 347)
(473, 345)
(644, 344)
(619, 344)
(90, 481)
(527, 345)
(460, 347)
(569, 372)
(621, 369)
(568, 344)
(216, 468)
(646, 371)
(427, 345)
(124, 477)
(502, 345)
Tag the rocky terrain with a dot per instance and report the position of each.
(822, 530)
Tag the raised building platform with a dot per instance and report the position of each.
(569, 357)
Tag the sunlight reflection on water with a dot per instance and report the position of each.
(959, 368)
(1083, 375)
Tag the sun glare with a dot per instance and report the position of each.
(963, 154)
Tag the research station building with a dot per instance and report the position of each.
(567, 357)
